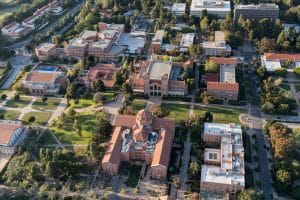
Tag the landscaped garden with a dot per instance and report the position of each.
(10, 114)
(177, 112)
(18, 103)
(66, 133)
(37, 118)
(48, 104)
(134, 176)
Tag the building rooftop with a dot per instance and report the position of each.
(7, 129)
(159, 68)
(271, 66)
(220, 37)
(42, 77)
(282, 56)
(215, 174)
(224, 61)
(178, 7)
(261, 6)
(134, 44)
(158, 37)
(187, 39)
(45, 46)
(221, 129)
(227, 73)
(216, 5)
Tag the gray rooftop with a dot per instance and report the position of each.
(159, 68)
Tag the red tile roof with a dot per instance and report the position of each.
(211, 77)
(127, 121)
(222, 60)
(41, 77)
(223, 86)
(113, 149)
(6, 131)
(8, 26)
(281, 56)
(105, 72)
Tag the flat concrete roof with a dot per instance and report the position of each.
(227, 73)
(159, 68)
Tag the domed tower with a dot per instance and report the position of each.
(143, 126)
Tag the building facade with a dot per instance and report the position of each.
(225, 87)
(218, 8)
(274, 61)
(178, 9)
(44, 50)
(44, 82)
(140, 138)
(158, 78)
(218, 47)
(257, 12)
(157, 41)
(223, 171)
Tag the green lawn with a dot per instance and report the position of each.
(41, 118)
(23, 102)
(82, 103)
(177, 112)
(50, 104)
(222, 115)
(138, 104)
(67, 135)
(10, 114)
(134, 176)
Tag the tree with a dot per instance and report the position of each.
(158, 111)
(98, 85)
(204, 23)
(206, 98)
(266, 45)
(98, 98)
(103, 125)
(17, 97)
(281, 72)
(249, 194)
(194, 169)
(297, 71)
(77, 127)
(31, 119)
(3, 96)
(210, 66)
(176, 182)
(283, 179)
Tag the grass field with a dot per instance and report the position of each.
(23, 102)
(82, 103)
(41, 118)
(138, 104)
(10, 114)
(50, 104)
(220, 115)
(67, 135)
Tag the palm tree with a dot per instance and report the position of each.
(194, 168)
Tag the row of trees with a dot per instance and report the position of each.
(282, 141)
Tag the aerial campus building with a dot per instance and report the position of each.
(223, 171)
(217, 8)
(140, 138)
(218, 47)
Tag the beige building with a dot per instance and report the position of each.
(157, 41)
(44, 50)
(223, 171)
(217, 47)
(158, 78)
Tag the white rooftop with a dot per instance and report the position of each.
(261, 6)
(227, 73)
(220, 37)
(187, 39)
(45, 46)
(215, 5)
(221, 129)
(215, 174)
(158, 37)
(159, 68)
(178, 7)
(134, 44)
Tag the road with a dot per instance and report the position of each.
(256, 120)
(17, 62)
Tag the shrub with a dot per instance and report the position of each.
(3, 96)
(281, 72)
(17, 97)
(297, 71)
(44, 98)
(31, 119)
(76, 101)
(1, 116)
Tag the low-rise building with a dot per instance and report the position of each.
(178, 9)
(186, 41)
(219, 8)
(157, 41)
(158, 78)
(256, 12)
(9, 28)
(105, 72)
(140, 138)
(44, 82)
(274, 61)
(218, 47)
(226, 87)
(223, 171)
(15, 30)
(44, 50)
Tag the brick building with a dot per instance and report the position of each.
(158, 78)
(141, 138)
(226, 87)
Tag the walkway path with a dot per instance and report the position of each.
(58, 111)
